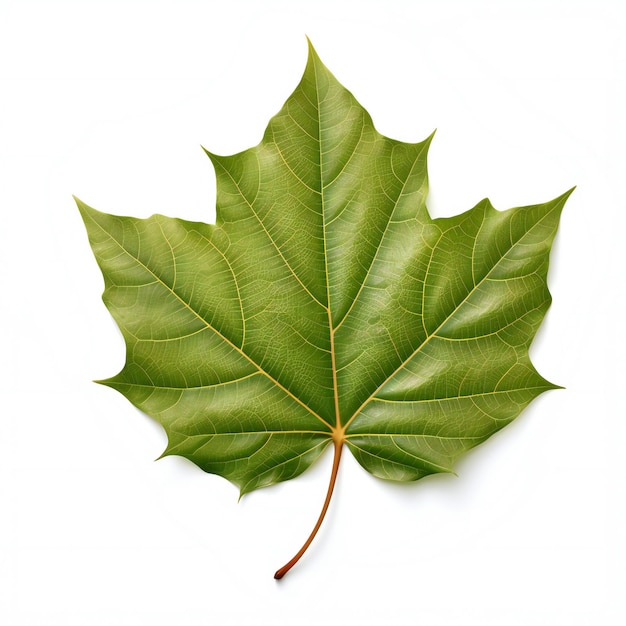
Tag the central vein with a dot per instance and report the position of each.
(338, 433)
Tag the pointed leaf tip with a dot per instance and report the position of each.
(314, 57)
(208, 152)
(559, 201)
(79, 203)
(567, 194)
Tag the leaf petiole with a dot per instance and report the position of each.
(338, 442)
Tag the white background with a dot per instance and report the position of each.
(111, 101)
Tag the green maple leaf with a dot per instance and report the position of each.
(326, 307)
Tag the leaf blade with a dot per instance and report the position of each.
(325, 304)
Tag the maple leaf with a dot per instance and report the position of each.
(326, 307)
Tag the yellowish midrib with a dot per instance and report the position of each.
(337, 431)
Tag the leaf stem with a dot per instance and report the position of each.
(338, 442)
